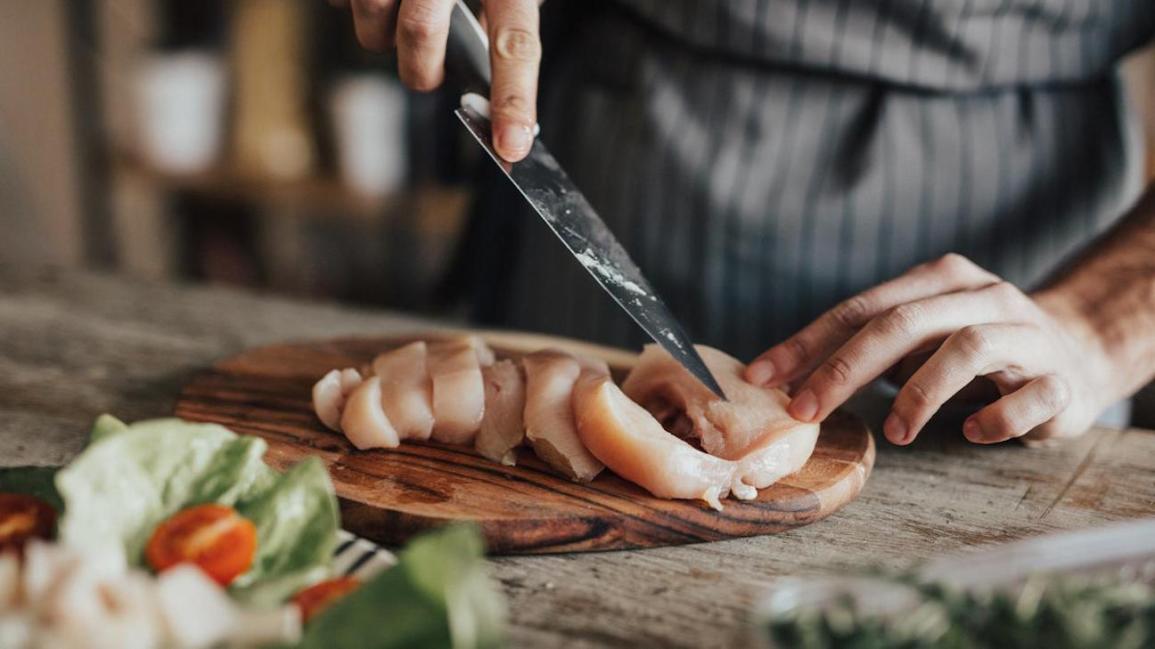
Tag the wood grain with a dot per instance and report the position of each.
(389, 495)
(75, 344)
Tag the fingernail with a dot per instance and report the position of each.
(804, 406)
(515, 140)
(760, 372)
(895, 429)
(972, 430)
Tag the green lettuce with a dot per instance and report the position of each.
(132, 477)
(438, 595)
(36, 481)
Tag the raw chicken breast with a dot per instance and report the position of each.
(330, 393)
(550, 426)
(406, 390)
(458, 391)
(364, 421)
(631, 442)
(634, 445)
(485, 355)
(728, 429)
(503, 426)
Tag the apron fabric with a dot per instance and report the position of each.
(763, 159)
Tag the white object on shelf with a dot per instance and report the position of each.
(180, 106)
(368, 113)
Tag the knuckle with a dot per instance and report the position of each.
(1005, 293)
(797, 348)
(852, 313)
(953, 264)
(902, 319)
(516, 44)
(973, 342)
(918, 396)
(837, 370)
(418, 26)
(513, 105)
(1054, 392)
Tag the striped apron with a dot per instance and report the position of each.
(763, 159)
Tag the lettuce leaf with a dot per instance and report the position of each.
(36, 481)
(438, 595)
(132, 477)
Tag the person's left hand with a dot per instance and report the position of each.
(1052, 374)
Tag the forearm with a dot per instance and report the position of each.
(1107, 294)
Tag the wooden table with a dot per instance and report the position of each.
(74, 345)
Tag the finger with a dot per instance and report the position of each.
(970, 352)
(422, 30)
(885, 340)
(1019, 412)
(802, 352)
(515, 54)
(373, 22)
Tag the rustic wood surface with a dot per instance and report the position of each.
(76, 345)
(389, 495)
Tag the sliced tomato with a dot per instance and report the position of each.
(215, 538)
(317, 597)
(23, 518)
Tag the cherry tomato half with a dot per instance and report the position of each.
(317, 597)
(22, 518)
(216, 538)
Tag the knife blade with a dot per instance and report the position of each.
(569, 215)
(542, 182)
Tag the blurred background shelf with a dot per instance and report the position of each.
(319, 196)
(286, 158)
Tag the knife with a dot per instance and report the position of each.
(547, 188)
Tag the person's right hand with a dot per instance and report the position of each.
(419, 29)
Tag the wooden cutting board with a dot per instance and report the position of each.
(389, 495)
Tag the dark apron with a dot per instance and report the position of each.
(763, 159)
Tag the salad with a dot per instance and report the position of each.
(167, 533)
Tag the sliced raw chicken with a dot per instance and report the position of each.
(330, 393)
(364, 421)
(503, 426)
(406, 390)
(458, 391)
(550, 426)
(633, 444)
(726, 428)
(485, 355)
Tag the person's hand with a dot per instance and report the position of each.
(419, 29)
(1052, 374)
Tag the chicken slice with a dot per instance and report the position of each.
(485, 355)
(503, 426)
(364, 421)
(550, 426)
(458, 391)
(726, 428)
(633, 444)
(330, 393)
(628, 439)
(406, 390)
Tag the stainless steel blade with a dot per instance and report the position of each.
(566, 211)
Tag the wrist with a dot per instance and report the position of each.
(1114, 322)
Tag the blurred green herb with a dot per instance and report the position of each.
(1053, 612)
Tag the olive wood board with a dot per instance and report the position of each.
(389, 495)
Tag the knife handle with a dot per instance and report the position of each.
(467, 52)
